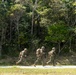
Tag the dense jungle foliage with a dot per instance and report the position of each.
(33, 23)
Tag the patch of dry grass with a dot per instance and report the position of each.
(18, 71)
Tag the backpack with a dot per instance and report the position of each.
(38, 52)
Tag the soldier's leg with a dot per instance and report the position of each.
(53, 61)
(25, 60)
(49, 60)
(38, 58)
(19, 60)
(43, 61)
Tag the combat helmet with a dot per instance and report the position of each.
(25, 49)
(42, 47)
(53, 48)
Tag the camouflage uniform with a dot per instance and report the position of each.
(40, 54)
(22, 56)
(51, 55)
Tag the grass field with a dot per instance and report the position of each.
(18, 71)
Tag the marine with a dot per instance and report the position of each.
(40, 54)
(22, 56)
(52, 55)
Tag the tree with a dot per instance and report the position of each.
(58, 33)
(3, 25)
(16, 12)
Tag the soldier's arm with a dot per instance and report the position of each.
(37, 51)
(19, 54)
(25, 54)
(49, 53)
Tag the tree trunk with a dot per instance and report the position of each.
(32, 27)
(59, 48)
(33, 12)
(70, 45)
(17, 24)
(0, 49)
(10, 30)
(1, 42)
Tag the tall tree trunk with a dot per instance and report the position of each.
(33, 13)
(70, 50)
(32, 27)
(17, 24)
(10, 30)
(59, 48)
(1, 42)
(0, 49)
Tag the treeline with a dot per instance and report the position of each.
(33, 23)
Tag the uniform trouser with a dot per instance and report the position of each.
(42, 59)
(51, 59)
(22, 59)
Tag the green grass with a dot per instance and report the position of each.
(18, 71)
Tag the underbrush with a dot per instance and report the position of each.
(66, 59)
